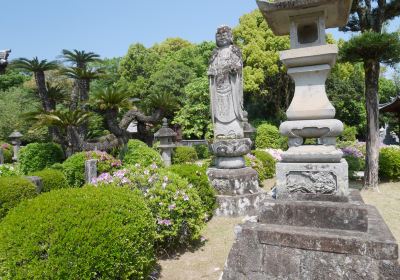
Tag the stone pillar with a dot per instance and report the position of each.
(1, 155)
(90, 170)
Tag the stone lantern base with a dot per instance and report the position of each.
(312, 178)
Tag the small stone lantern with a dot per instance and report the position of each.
(15, 138)
(166, 136)
(248, 129)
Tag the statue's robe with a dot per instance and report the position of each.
(226, 90)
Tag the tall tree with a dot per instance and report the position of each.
(38, 67)
(372, 47)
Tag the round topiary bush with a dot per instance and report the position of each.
(389, 163)
(183, 154)
(74, 167)
(52, 179)
(268, 163)
(138, 152)
(268, 136)
(37, 156)
(196, 176)
(175, 203)
(87, 233)
(12, 191)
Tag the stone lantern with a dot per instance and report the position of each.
(166, 136)
(15, 138)
(316, 168)
(248, 129)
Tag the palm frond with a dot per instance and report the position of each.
(34, 65)
(111, 98)
(80, 58)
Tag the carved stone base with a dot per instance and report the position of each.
(315, 178)
(238, 191)
(331, 240)
(234, 181)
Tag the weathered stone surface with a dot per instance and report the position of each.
(90, 170)
(317, 214)
(323, 178)
(37, 181)
(234, 181)
(231, 147)
(240, 205)
(278, 251)
(1, 155)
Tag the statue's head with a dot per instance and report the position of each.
(224, 37)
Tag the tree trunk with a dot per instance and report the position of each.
(74, 97)
(41, 86)
(372, 70)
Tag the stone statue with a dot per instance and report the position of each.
(226, 87)
(3, 60)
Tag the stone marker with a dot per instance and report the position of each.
(1, 155)
(166, 136)
(90, 170)
(236, 184)
(16, 142)
(37, 181)
(317, 228)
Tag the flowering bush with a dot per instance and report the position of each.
(174, 203)
(275, 153)
(7, 152)
(256, 164)
(355, 158)
(74, 167)
(7, 170)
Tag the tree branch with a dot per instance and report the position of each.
(135, 114)
(392, 10)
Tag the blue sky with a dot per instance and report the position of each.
(43, 27)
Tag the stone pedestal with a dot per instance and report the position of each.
(312, 178)
(237, 185)
(319, 237)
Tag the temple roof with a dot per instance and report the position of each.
(391, 107)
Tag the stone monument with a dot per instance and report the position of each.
(90, 170)
(236, 184)
(15, 138)
(166, 136)
(316, 228)
(4, 60)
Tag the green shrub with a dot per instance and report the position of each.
(202, 151)
(52, 179)
(7, 152)
(268, 136)
(355, 164)
(7, 170)
(88, 233)
(138, 152)
(175, 203)
(268, 163)
(389, 163)
(37, 156)
(196, 176)
(183, 154)
(74, 167)
(257, 165)
(12, 191)
(349, 134)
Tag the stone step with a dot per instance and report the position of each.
(316, 214)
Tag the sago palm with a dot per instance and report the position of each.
(80, 58)
(111, 98)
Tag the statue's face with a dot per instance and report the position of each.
(223, 38)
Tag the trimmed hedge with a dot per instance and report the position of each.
(183, 154)
(37, 156)
(196, 176)
(74, 167)
(88, 233)
(202, 151)
(389, 163)
(12, 191)
(138, 152)
(268, 136)
(52, 179)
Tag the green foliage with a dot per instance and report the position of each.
(12, 191)
(7, 152)
(37, 156)
(88, 233)
(257, 165)
(355, 164)
(8, 170)
(268, 136)
(349, 134)
(268, 163)
(196, 176)
(202, 151)
(183, 154)
(138, 152)
(194, 115)
(11, 78)
(369, 45)
(74, 167)
(175, 204)
(389, 163)
(52, 179)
